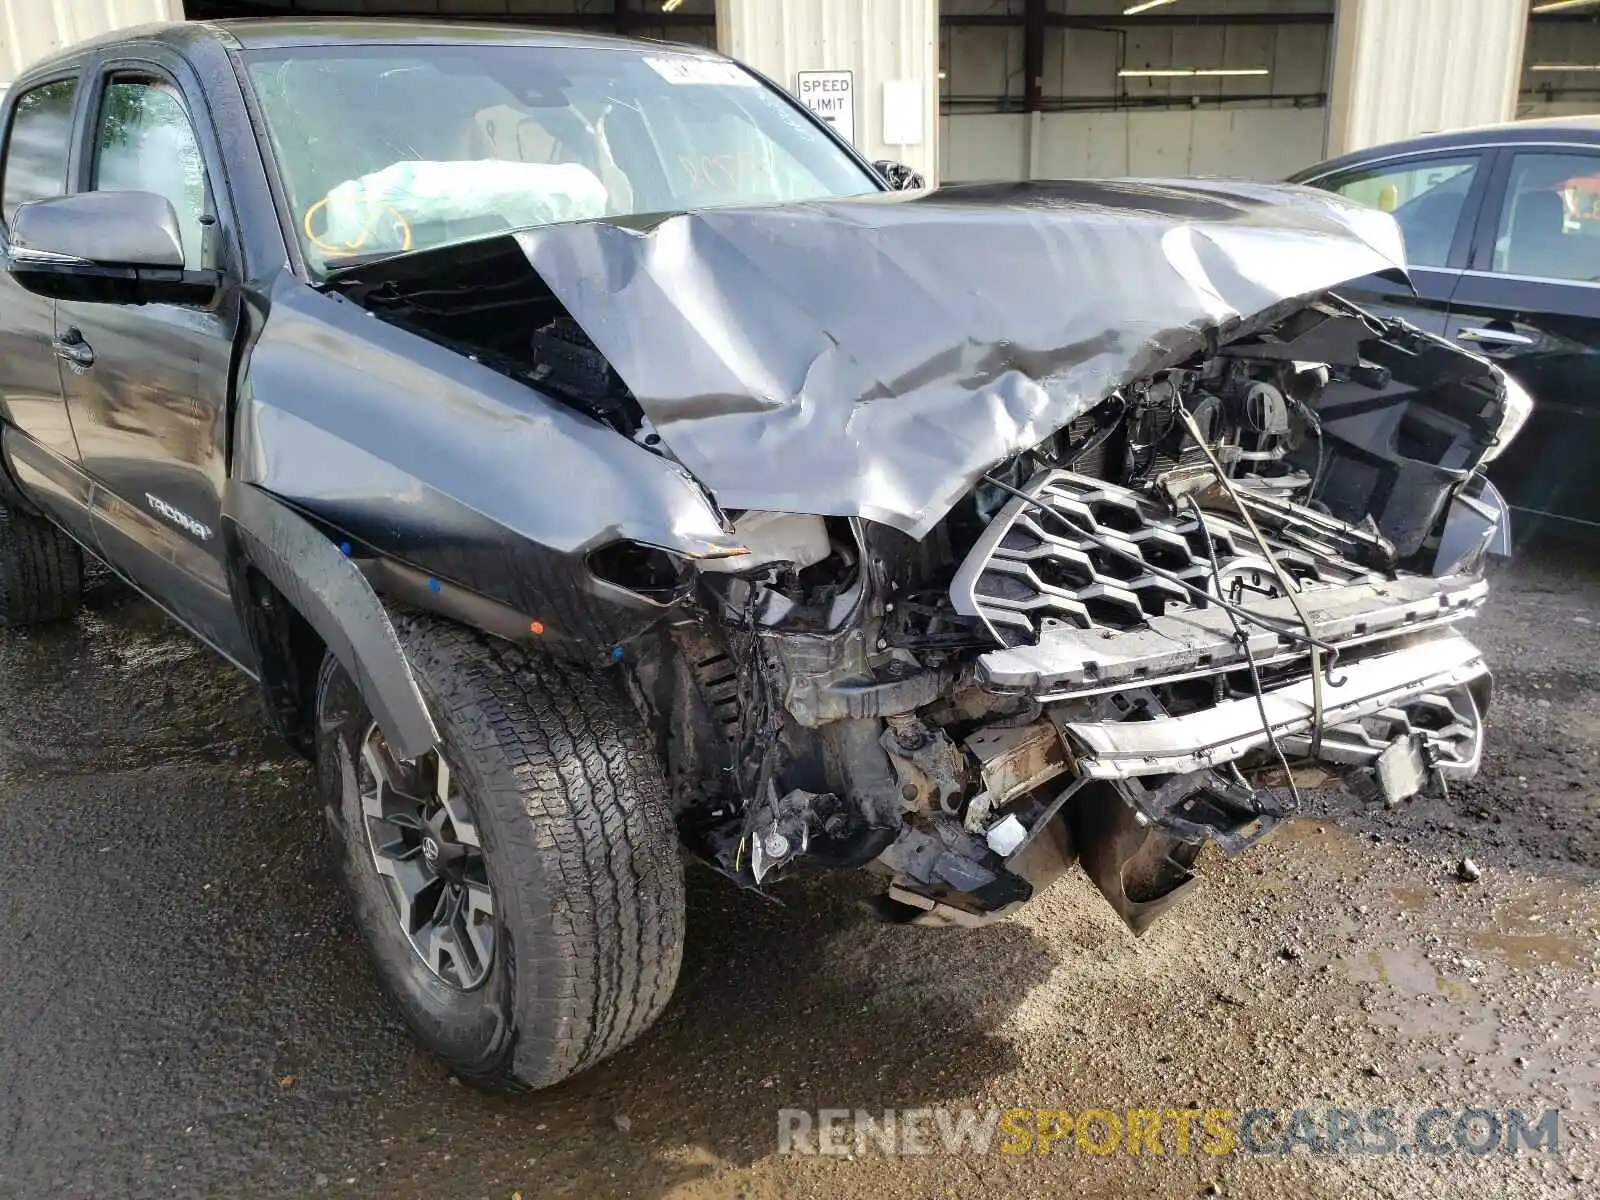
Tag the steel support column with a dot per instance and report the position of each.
(1033, 19)
(1033, 35)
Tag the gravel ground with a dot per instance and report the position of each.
(184, 1009)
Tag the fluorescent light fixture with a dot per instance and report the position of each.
(1565, 67)
(1146, 4)
(670, 5)
(1558, 5)
(1189, 72)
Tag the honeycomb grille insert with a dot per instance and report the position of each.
(1036, 569)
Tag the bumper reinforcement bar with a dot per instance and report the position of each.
(1233, 728)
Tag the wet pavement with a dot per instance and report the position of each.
(184, 1009)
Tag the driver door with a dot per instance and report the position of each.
(41, 452)
(147, 385)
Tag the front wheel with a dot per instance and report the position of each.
(520, 890)
(41, 570)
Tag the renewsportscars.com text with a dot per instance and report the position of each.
(1168, 1131)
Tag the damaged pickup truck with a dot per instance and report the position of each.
(591, 456)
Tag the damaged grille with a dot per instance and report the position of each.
(1087, 561)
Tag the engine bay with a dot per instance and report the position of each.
(1142, 562)
(1128, 623)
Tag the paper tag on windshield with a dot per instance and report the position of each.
(701, 70)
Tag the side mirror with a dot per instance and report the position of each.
(898, 176)
(105, 247)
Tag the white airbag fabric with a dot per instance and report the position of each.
(359, 212)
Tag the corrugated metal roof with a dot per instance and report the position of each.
(32, 29)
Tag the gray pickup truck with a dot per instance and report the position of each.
(596, 462)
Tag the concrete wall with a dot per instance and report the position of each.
(1239, 143)
(1255, 126)
(1274, 124)
(1082, 63)
(1269, 126)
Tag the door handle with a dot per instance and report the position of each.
(1494, 337)
(71, 347)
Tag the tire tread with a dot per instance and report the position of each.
(41, 570)
(576, 762)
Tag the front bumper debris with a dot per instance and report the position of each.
(1163, 743)
(1201, 642)
(1402, 719)
(1401, 693)
(1101, 595)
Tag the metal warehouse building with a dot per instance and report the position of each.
(990, 89)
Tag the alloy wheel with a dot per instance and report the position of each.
(425, 845)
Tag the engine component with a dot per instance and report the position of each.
(567, 363)
(1265, 410)
(928, 764)
(777, 830)
(940, 868)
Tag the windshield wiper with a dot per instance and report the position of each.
(350, 262)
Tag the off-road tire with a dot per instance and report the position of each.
(41, 570)
(579, 846)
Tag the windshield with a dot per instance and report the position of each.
(389, 148)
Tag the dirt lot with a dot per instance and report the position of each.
(184, 1009)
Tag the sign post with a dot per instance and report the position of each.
(832, 96)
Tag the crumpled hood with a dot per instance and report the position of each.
(872, 357)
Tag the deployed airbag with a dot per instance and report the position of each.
(520, 194)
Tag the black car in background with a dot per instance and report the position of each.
(1502, 230)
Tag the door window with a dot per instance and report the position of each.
(1550, 218)
(146, 143)
(36, 151)
(1426, 198)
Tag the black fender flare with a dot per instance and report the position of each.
(321, 583)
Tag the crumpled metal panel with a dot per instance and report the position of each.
(873, 356)
(380, 431)
(416, 453)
